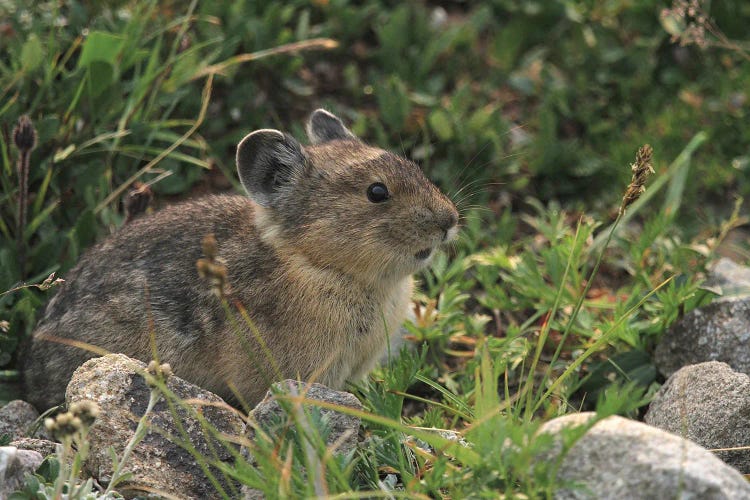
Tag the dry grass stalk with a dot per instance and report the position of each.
(213, 268)
(25, 139)
(642, 168)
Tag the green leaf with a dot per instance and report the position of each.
(629, 366)
(440, 122)
(393, 35)
(394, 103)
(100, 47)
(8, 268)
(49, 469)
(85, 229)
(100, 76)
(681, 168)
(32, 53)
(38, 219)
(479, 121)
(672, 24)
(186, 66)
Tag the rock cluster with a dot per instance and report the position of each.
(708, 403)
(17, 420)
(14, 465)
(165, 461)
(342, 429)
(623, 459)
(159, 463)
(719, 331)
(706, 355)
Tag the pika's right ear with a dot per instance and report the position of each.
(324, 126)
(267, 162)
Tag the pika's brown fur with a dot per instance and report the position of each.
(318, 256)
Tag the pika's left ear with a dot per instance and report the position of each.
(269, 163)
(324, 126)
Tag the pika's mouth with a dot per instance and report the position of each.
(423, 254)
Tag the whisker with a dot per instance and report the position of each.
(467, 165)
(465, 186)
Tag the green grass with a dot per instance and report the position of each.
(527, 113)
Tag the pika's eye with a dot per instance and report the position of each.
(377, 192)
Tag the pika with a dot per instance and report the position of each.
(320, 254)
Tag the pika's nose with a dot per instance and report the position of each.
(447, 219)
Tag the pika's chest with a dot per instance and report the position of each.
(323, 325)
(355, 318)
(367, 326)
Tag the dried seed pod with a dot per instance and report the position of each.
(137, 201)
(24, 134)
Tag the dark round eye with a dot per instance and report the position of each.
(377, 192)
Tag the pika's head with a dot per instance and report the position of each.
(341, 204)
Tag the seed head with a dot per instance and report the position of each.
(50, 282)
(642, 168)
(63, 425)
(24, 134)
(137, 201)
(49, 423)
(155, 370)
(86, 411)
(164, 369)
(689, 24)
(210, 246)
(212, 267)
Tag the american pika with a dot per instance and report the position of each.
(320, 255)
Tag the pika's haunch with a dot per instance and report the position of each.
(320, 255)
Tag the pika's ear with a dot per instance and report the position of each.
(268, 161)
(324, 126)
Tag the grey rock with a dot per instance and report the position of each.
(719, 331)
(42, 446)
(398, 341)
(709, 404)
(116, 384)
(14, 465)
(17, 418)
(729, 279)
(445, 434)
(341, 430)
(252, 494)
(622, 459)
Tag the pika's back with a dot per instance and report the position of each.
(154, 255)
(319, 256)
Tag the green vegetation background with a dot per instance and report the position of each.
(527, 113)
